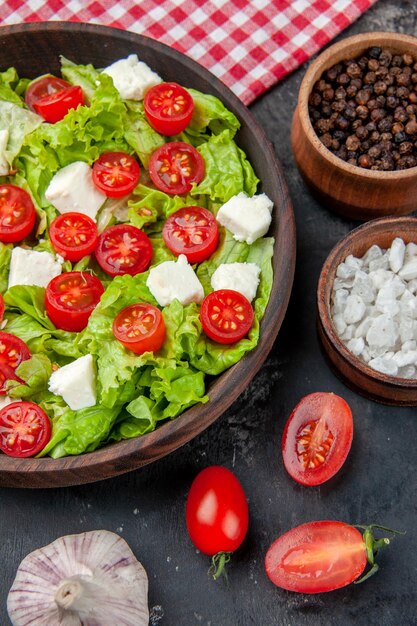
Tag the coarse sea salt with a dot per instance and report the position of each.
(374, 307)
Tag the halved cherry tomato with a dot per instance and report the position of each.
(317, 438)
(53, 97)
(226, 316)
(116, 174)
(192, 231)
(73, 235)
(25, 429)
(140, 328)
(217, 513)
(1, 307)
(322, 556)
(175, 166)
(168, 108)
(123, 249)
(70, 299)
(12, 352)
(17, 214)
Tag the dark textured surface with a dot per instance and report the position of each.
(377, 484)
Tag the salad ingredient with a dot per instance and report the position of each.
(217, 515)
(76, 383)
(172, 280)
(17, 214)
(131, 77)
(242, 277)
(7, 373)
(192, 231)
(374, 307)
(317, 438)
(95, 579)
(116, 174)
(53, 97)
(123, 249)
(140, 328)
(247, 218)
(12, 352)
(175, 166)
(4, 164)
(25, 429)
(73, 235)
(72, 190)
(1, 307)
(226, 316)
(70, 299)
(168, 108)
(322, 556)
(30, 267)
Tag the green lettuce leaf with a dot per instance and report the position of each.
(20, 122)
(210, 113)
(5, 256)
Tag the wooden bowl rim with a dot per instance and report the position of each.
(335, 257)
(316, 69)
(133, 453)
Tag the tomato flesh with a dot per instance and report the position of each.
(53, 97)
(70, 299)
(123, 249)
(12, 352)
(168, 108)
(316, 557)
(217, 514)
(116, 174)
(140, 328)
(17, 214)
(73, 235)
(226, 316)
(192, 231)
(25, 429)
(317, 438)
(175, 166)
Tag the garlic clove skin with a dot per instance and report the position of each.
(91, 579)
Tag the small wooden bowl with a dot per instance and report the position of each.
(353, 371)
(347, 189)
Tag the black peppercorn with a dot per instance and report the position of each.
(374, 52)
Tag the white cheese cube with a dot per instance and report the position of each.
(30, 267)
(242, 277)
(4, 165)
(131, 77)
(72, 189)
(76, 383)
(247, 218)
(175, 280)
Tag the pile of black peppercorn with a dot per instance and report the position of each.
(365, 110)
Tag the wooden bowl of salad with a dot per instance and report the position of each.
(104, 403)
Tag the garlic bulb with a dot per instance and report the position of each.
(91, 579)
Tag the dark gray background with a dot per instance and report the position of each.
(377, 484)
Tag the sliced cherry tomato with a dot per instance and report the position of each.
(1, 307)
(123, 249)
(70, 299)
(53, 97)
(25, 429)
(226, 316)
(17, 214)
(216, 513)
(317, 438)
(116, 174)
(175, 166)
(12, 352)
(192, 231)
(322, 556)
(140, 328)
(73, 235)
(168, 108)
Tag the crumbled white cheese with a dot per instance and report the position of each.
(247, 218)
(132, 78)
(4, 165)
(75, 383)
(30, 267)
(72, 189)
(242, 277)
(175, 280)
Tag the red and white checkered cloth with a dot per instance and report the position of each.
(249, 44)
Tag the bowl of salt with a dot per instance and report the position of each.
(367, 310)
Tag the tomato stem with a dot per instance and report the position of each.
(372, 547)
(218, 563)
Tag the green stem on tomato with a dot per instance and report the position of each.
(218, 563)
(372, 547)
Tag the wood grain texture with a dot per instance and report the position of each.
(34, 49)
(356, 373)
(352, 191)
